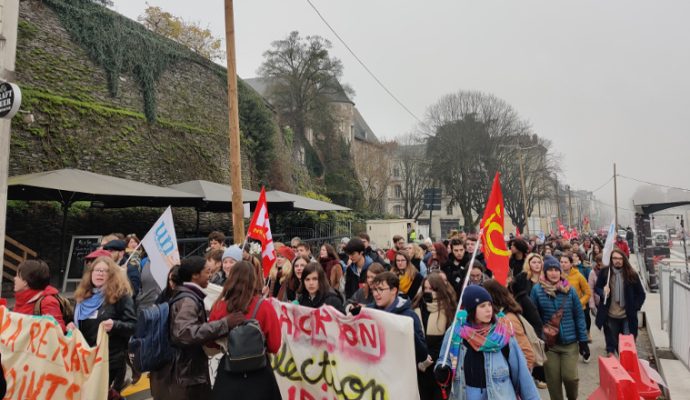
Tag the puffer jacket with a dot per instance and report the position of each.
(579, 283)
(188, 332)
(27, 298)
(572, 328)
(403, 307)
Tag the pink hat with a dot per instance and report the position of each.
(97, 253)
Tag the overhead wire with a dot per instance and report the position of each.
(654, 183)
(359, 60)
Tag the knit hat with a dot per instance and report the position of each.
(116, 245)
(473, 296)
(286, 252)
(551, 262)
(233, 252)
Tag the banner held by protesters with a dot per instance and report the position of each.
(42, 363)
(161, 247)
(328, 355)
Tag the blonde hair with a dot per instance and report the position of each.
(115, 287)
(418, 251)
(285, 271)
(525, 266)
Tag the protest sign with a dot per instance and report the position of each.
(42, 363)
(161, 247)
(326, 355)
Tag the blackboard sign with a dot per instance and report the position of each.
(81, 246)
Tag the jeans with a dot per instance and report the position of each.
(612, 328)
(473, 393)
(588, 318)
(561, 370)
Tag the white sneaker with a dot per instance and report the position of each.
(587, 360)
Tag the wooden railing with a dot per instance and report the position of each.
(15, 253)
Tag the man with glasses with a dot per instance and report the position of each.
(385, 287)
(620, 286)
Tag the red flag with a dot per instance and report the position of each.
(517, 231)
(562, 230)
(574, 233)
(260, 229)
(495, 252)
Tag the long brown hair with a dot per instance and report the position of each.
(410, 270)
(629, 274)
(240, 287)
(374, 268)
(501, 297)
(330, 252)
(445, 295)
(324, 286)
(115, 287)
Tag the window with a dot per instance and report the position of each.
(397, 210)
(398, 191)
(449, 209)
(396, 172)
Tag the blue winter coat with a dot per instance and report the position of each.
(403, 307)
(573, 327)
(634, 298)
(503, 378)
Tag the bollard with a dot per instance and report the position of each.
(646, 387)
(614, 382)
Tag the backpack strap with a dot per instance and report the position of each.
(256, 307)
(37, 305)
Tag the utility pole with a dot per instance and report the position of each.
(615, 197)
(570, 209)
(524, 195)
(234, 128)
(558, 200)
(9, 18)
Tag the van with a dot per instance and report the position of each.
(660, 237)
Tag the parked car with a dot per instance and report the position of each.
(661, 240)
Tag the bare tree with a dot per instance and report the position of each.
(373, 170)
(413, 166)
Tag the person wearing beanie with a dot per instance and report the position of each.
(480, 333)
(552, 295)
(280, 270)
(231, 256)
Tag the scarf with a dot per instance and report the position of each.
(437, 322)
(405, 283)
(87, 306)
(488, 339)
(617, 291)
(551, 289)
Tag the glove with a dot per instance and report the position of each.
(443, 373)
(584, 349)
(234, 319)
(356, 309)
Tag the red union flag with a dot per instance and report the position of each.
(260, 229)
(495, 252)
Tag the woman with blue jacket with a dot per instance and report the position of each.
(551, 294)
(484, 361)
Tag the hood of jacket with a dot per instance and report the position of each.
(367, 262)
(400, 306)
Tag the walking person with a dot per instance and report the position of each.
(561, 312)
(240, 296)
(622, 296)
(33, 294)
(187, 377)
(485, 357)
(410, 278)
(104, 296)
(315, 290)
(579, 283)
(435, 307)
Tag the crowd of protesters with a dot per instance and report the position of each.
(490, 354)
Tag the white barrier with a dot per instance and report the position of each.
(679, 320)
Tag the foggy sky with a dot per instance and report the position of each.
(605, 81)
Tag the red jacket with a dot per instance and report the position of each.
(26, 300)
(623, 245)
(267, 317)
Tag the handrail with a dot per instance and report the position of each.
(21, 246)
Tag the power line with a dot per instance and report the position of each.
(362, 62)
(654, 184)
(602, 186)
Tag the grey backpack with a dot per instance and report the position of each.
(246, 346)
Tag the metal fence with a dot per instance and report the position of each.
(679, 320)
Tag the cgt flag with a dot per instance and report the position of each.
(161, 247)
(495, 252)
(260, 229)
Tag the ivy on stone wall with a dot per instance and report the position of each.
(258, 130)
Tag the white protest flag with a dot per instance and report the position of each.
(161, 247)
(608, 246)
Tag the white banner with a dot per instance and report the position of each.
(608, 246)
(326, 355)
(161, 247)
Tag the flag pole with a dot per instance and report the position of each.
(464, 285)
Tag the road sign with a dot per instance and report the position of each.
(432, 199)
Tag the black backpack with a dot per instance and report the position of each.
(246, 346)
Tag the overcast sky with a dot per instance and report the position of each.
(605, 81)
